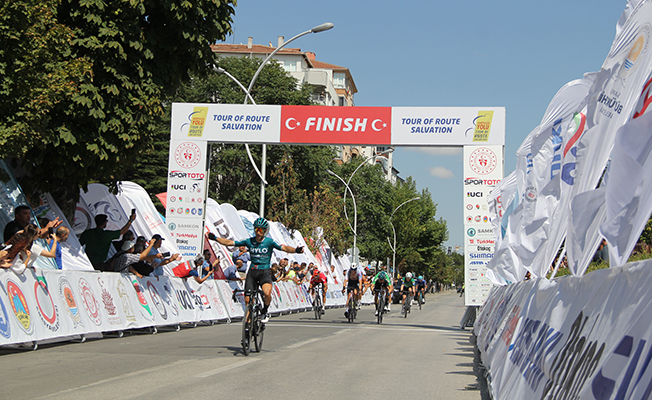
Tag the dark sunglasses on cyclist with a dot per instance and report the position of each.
(259, 230)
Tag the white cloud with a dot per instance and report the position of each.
(441, 172)
(437, 151)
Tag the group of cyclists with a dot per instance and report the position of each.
(355, 282)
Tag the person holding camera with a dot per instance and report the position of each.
(98, 241)
(158, 263)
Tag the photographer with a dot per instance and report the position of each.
(158, 263)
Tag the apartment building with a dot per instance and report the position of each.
(332, 85)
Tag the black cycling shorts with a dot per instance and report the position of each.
(379, 284)
(351, 286)
(256, 278)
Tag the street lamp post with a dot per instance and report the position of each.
(320, 28)
(390, 150)
(394, 230)
(355, 216)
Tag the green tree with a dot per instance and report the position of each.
(83, 82)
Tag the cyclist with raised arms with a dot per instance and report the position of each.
(317, 278)
(261, 249)
(352, 284)
(407, 286)
(379, 281)
(421, 288)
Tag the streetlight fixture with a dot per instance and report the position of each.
(247, 94)
(390, 150)
(319, 28)
(355, 216)
(394, 230)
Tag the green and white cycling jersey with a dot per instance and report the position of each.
(407, 283)
(382, 275)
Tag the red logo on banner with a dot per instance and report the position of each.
(336, 125)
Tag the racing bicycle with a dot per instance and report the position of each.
(253, 329)
(380, 306)
(317, 305)
(406, 306)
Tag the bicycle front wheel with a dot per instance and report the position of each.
(351, 307)
(317, 306)
(259, 334)
(247, 326)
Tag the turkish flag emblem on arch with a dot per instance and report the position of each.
(336, 125)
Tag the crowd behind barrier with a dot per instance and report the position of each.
(47, 304)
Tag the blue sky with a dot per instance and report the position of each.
(455, 53)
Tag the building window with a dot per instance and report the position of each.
(290, 66)
(342, 101)
(339, 81)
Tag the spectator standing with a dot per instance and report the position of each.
(22, 216)
(98, 241)
(61, 236)
(242, 254)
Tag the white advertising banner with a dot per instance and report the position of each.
(45, 304)
(226, 123)
(577, 337)
(483, 170)
(395, 126)
(448, 126)
(186, 194)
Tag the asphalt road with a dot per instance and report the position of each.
(424, 355)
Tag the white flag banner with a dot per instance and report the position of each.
(614, 94)
(547, 151)
(628, 189)
(560, 192)
(504, 191)
(587, 213)
(511, 197)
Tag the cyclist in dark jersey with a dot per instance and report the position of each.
(421, 288)
(407, 286)
(261, 249)
(352, 284)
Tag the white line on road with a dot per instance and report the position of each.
(376, 327)
(294, 346)
(227, 368)
(124, 376)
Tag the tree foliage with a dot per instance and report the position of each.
(83, 81)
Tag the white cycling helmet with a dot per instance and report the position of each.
(408, 275)
(353, 266)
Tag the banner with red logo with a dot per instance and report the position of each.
(393, 126)
(483, 170)
(336, 125)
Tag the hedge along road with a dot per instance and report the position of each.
(425, 354)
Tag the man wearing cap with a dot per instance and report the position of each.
(98, 241)
(123, 263)
(158, 263)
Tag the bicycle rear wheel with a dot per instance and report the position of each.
(381, 307)
(247, 326)
(317, 305)
(351, 309)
